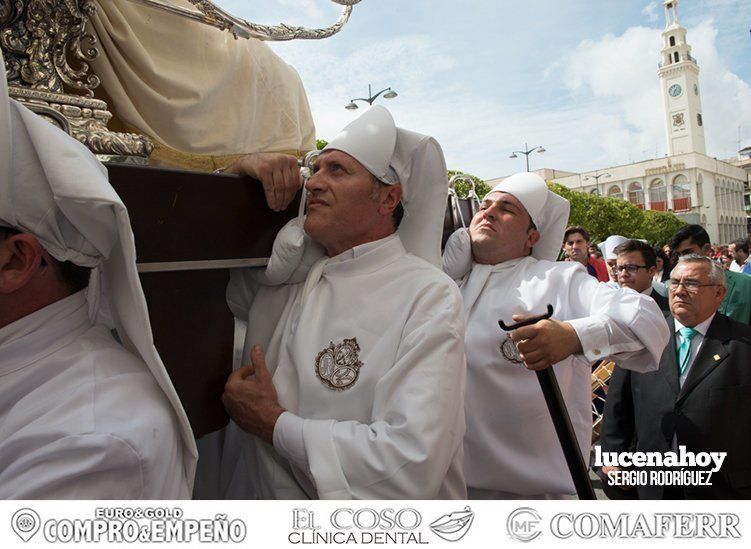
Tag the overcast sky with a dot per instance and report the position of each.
(486, 76)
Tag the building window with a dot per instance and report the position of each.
(675, 55)
(672, 41)
(699, 120)
(636, 195)
(615, 192)
(681, 194)
(658, 196)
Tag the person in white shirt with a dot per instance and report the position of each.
(740, 256)
(734, 265)
(82, 415)
(505, 265)
(356, 382)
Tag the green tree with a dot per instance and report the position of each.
(321, 143)
(462, 187)
(604, 216)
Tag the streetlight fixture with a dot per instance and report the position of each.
(526, 152)
(388, 93)
(597, 177)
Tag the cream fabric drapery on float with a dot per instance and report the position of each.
(201, 95)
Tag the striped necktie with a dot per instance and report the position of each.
(684, 351)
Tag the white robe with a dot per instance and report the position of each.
(81, 417)
(511, 448)
(396, 433)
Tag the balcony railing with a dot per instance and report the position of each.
(681, 204)
(659, 206)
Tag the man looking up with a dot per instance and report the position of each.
(576, 246)
(82, 415)
(636, 264)
(357, 387)
(506, 268)
(693, 239)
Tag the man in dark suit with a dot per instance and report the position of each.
(700, 397)
(635, 265)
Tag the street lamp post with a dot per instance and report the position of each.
(597, 177)
(388, 93)
(526, 152)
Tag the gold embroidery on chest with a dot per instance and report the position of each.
(338, 366)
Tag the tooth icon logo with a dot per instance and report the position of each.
(25, 523)
(454, 526)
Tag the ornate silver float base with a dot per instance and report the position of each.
(85, 119)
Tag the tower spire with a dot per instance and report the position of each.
(679, 73)
(671, 14)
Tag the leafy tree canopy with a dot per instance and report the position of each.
(462, 187)
(603, 216)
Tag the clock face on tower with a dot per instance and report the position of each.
(674, 90)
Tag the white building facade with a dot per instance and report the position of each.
(695, 187)
(687, 182)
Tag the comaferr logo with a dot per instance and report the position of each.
(657, 525)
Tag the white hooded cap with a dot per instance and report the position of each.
(54, 188)
(611, 243)
(395, 155)
(548, 211)
(370, 139)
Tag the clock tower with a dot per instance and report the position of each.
(679, 78)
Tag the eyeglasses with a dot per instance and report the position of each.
(631, 269)
(692, 286)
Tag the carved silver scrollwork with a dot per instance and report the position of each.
(45, 45)
(211, 14)
(47, 53)
(85, 119)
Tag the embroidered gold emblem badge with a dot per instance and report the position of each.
(338, 366)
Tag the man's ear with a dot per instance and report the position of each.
(533, 237)
(391, 195)
(20, 258)
(721, 291)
